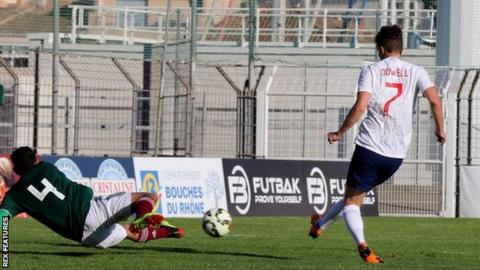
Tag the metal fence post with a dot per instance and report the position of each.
(354, 42)
(104, 25)
(36, 93)
(249, 94)
(204, 114)
(304, 109)
(263, 117)
(76, 122)
(193, 33)
(242, 35)
(81, 17)
(67, 115)
(145, 96)
(470, 116)
(449, 187)
(73, 33)
(257, 21)
(55, 73)
(176, 93)
(135, 89)
(324, 39)
(191, 82)
(159, 113)
(15, 98)
(306, 21)
(125, 26)
(458, 161)
(133, 135)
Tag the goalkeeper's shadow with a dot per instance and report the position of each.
(65, 254)
(132, 250)
(197, 251)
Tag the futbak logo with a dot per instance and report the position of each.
(239, 190)
(277, 190)
(264, 190)
(317, 190)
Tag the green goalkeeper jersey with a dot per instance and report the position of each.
(46, 194)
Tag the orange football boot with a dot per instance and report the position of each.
(315, 231)
(368, 255)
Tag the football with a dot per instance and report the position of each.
(216, 222)
(5, 167)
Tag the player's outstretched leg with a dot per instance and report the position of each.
(143, 204)
(321, 222)
(164, 230)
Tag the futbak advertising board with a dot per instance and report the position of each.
(287, 188)
(104, 175)
(189, 186)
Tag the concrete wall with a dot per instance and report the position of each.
(106, 3)
(6, 3)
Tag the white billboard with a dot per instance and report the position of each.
(189, 186)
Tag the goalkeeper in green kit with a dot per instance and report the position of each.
(71, 210)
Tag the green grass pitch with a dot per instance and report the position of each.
(262, 243)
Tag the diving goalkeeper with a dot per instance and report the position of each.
(71, 210)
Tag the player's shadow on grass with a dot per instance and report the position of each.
(129, 250)
(66, 254)
(196, 251)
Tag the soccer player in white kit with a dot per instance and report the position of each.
(386, 92)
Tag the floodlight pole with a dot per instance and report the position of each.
(191, 81)
(55, 63)
(159, 113)
(249, 135)
(251, 43)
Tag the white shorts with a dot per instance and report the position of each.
(101, 228)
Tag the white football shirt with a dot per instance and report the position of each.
(393, 85)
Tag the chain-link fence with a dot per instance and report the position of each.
(468, 126)
(305, 103)
(161, 102)
(107, 108)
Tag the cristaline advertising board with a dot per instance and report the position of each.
(189, 186)
(103, 175)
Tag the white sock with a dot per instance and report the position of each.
(331, 215)
(353, 219)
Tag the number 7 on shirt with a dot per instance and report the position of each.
(399, 87)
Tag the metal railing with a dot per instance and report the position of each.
(127, 25)
(298, 27)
